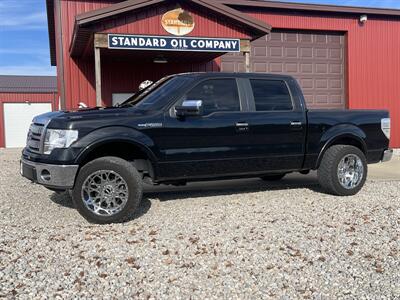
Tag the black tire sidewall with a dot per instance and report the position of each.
(123, 168)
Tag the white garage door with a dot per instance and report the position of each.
(18, 118)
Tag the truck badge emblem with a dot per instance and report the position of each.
(150, 125)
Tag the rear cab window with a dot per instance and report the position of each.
(271, 95)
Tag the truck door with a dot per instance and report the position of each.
(206, 145)
(276, 126)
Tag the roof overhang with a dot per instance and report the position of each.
(83, 31)
(284, 5)
(28, 84)
(232, 4)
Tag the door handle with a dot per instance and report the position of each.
(242, 127)
(296, 123)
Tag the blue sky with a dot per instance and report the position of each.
(24, 46)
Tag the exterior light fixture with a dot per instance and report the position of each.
(160, 60)
(363, 19)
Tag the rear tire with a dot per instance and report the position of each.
(343, 170)
(107, 190)
(275, 177)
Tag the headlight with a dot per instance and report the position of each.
(57, 138)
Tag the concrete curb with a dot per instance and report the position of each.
(397, 152)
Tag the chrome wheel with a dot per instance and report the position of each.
(105, 193)
(350, 171)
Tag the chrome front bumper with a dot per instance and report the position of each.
(387, 155)
(53, 176)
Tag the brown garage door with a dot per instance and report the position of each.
(316, 60)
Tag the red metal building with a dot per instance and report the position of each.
(21, 98)
(344, 57)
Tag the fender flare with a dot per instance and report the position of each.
(338, 132)
(105, 135)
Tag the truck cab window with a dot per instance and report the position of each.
(271, 95)
(217, 95)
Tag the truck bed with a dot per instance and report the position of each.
(323, 124)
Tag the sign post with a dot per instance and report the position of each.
(97, 68)
(247, 62)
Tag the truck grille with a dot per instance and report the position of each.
(34, 137)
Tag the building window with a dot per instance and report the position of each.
(119, 98)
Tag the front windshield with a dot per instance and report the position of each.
(135, 98)
(148, 98)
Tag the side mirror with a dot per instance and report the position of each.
(189, 108)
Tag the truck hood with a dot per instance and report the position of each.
(87, 114)
(98, 112)
(86, 120)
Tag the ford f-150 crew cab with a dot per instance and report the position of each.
(200, 126)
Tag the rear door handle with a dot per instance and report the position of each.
(242, 127)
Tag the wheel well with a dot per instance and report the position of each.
(344, 140)
(348, 141)
(124, 150)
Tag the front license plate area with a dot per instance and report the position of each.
(28, 171)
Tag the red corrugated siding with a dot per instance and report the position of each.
(120, 77)
(373, 57)
(128, 81)
(78, 74)
(148, 22)
(15, 98)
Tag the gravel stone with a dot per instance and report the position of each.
(234, 239)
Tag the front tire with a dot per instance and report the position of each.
(343, 170)
(107, 190)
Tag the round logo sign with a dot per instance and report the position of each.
(178, 22)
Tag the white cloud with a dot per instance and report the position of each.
(25, 51)
(27, 70)
(15, 57)
(38, 18)
(21, 15)
(11, 4)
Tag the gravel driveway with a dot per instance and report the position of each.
(237, 239)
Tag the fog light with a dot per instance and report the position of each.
(45, 175)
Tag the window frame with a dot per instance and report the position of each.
(240, 85)
(252, 102)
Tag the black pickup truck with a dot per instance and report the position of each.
(200, 126)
